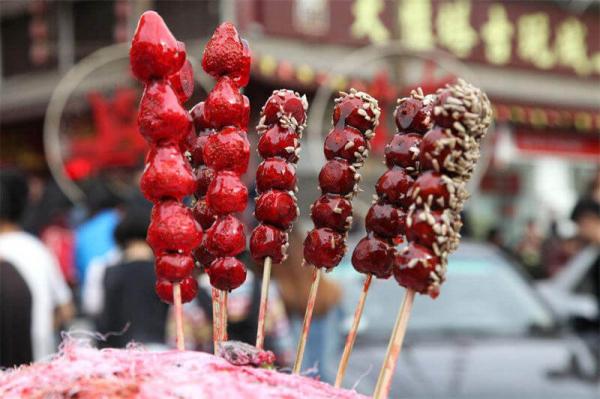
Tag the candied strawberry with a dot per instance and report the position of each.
(285, 104)
(195, 146)
(347, 143)
(403, 151)
(385, 220)
(228, 149)
(227, 193)
(188, 287)
(393, 187)
(226, 273)
(204, 176)
(324, 247)
(278, 141)
(420, 226)
(414, 267)
(356, 109)
(154, 54)
(333, 211)
(161, 117)
(202, 254)
(414, 115)
(277, 208)
(203, 214)
(373, 256)
(173, 266)
(198, 114)
(226, 237)
(224, 105)
(182, 82)
(276, 174)
(338, 177)
(226, 54)
(436, 146)
(167, 175)
(173, 228)
(435, 189)
(268, 241)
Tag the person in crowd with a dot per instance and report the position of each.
(29, 317)
(529, 248)
(131, 309)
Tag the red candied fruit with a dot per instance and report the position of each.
(226, 237)
(203, 214)
(173, 266)
(173, 228)
(385, 220)
(276, 174)
(224, 105)
(373, 256)
(349, 111)
(196, 146)
(226, 273)
(432, 188)
(278, 141)
(284, 103)
(227, 194)
(445, 119)
(182, 82)
(403, 151)
(420, 226)
(277, 208)
(414, 115)
(155, 53)
(204, 176)
(268, 241)
(333, 211)
(347, 143)
(198, 114)
(324, 247)
(167, 175)
(202, 255)
(437, 144)
(228, 149)
(394, 186)
(338, 177)
(413, 267)
(161, 117)
(226, 54)
(188, 287)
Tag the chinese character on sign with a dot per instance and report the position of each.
(571, 46)
(454, 30)
(367, 22)
(311, 17)
(497, 33)
(534, 38)
(414, 18)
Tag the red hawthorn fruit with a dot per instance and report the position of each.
(154, 54)
(224, 105)
(284, 103)
(278, 141)
(204, 176)
(277, 208)
(394, 186)
(182, 82)
(227, 194)
(202, 254)
(414, 115)
(203, 214)
(173, 266)
(347, 143)
(403, 151)
(188, 287)
(333, 211)
(413, 267)
(228, 149)
(226, 273)
(268, 241)
(167, 175)
(173, 228)
(373, 256)
(198, 114)
(337, 177)
(196, 145)
(437, 144)
(226, 54)
(346, 112)
(226, 237)
(421, 229)
(324, 247)
(434, 186)
(445, 121)
(385, 220)
(275, 174)
(161, 117)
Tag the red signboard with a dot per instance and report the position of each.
(567, 145)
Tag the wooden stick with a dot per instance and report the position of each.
(352, 333)
(216, 301)
(382, 389)
(264, 298)
(178, 317)
(310, 305)
(224, 295)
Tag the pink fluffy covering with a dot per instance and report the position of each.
(87, 373)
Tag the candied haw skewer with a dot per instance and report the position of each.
(282, 121)
(355, 117)
(159, 61)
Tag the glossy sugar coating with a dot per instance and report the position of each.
(324, 248)
(167, 175)
(278, 141)
(385, 220)
(182, 82)
(268, 241)
(394, 187)
(226, 273)
(414, 113)
(275, 173)
(228, 149)
(173, 266)
(188, 287)
(195, 146)
(203, 176)
(198, 115)
(357, 109)
(285, 108)
(203, 214)
(225, 105)
(333, 211)
(404, 151)
(203, 255)
(277, 208)
(226, 54)
(173, 228)
(227, 194)
(338, 177)
(418, 268)
(346, 143)
(226, 237)
(373, 256)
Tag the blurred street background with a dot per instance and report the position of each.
(519, 314)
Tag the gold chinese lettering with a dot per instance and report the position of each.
(414, 18)
(533, 39)
(454, 29)
(367, 22)
(497, 33)
(571, 46)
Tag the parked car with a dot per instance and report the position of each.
(488, 335)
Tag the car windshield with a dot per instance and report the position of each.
(483, 294)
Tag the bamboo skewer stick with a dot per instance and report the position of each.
(310, 305)
(216, 301)
(224, 295)
(178, 317)
(264, 299)
(382, 389)
(352, 333)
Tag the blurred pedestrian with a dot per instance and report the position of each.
(26, 259)
(529, 248)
